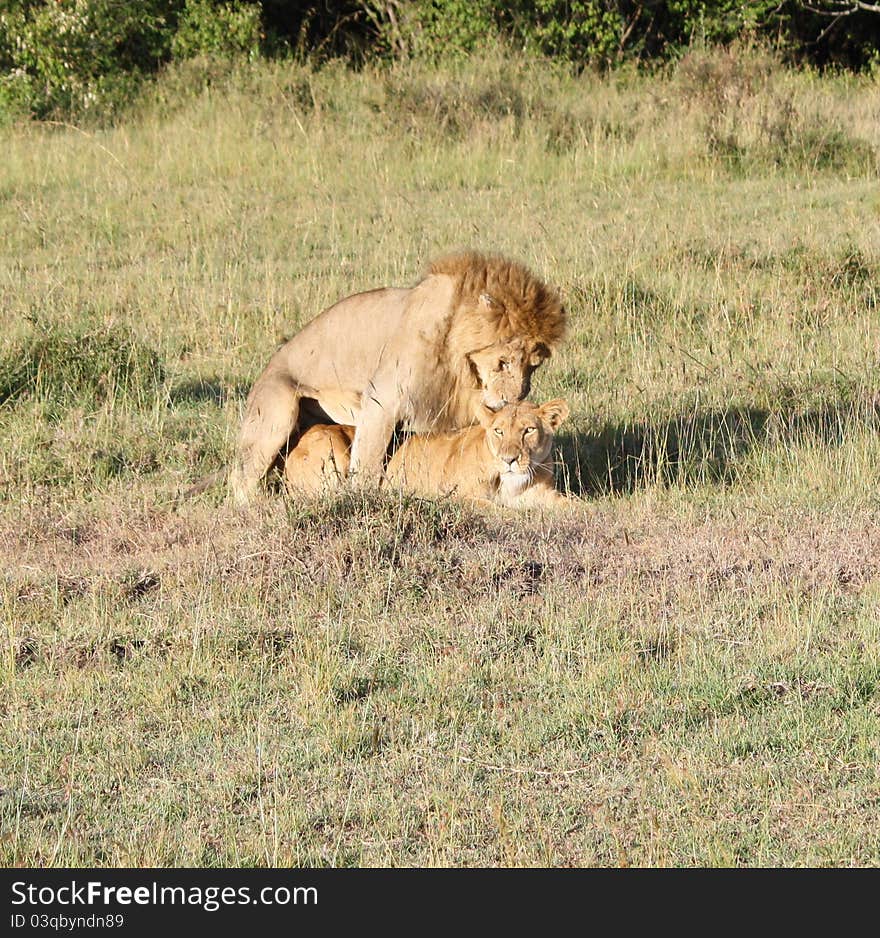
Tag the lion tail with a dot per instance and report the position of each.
(202, 485)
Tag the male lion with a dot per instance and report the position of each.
(506, 460)
(426, 358)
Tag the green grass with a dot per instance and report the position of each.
(682, 669)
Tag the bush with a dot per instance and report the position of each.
(88, 57)
(586, 31)
(86, 368)
(226, 30)
(437, 29)
(604, 32)
(70, 58)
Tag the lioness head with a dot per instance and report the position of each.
(520, 438)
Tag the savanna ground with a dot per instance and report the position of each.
(682, 668)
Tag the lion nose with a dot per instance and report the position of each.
(510, 460)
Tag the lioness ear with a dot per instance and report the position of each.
(485, 415)
(554, 412)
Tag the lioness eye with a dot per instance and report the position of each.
(504, 365)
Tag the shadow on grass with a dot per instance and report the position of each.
(697, 448)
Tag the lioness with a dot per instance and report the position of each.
(469, 335)
(505, 460)
(320, 460)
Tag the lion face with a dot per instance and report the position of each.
(520, 438)
(504, 370)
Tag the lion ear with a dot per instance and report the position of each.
(488, 302)
(554, 412)
(540, 353)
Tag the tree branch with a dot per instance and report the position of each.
(839, 8)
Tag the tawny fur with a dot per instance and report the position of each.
(505, 460)
(319, 462)
(422, 359)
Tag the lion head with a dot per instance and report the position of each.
(520, 438)
(505, 323)
(504, 369)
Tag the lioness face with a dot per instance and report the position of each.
(504, 370)
(520, 437)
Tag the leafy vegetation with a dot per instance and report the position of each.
(88, 59)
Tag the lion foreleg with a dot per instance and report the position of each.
(271, 415)
(375, 426)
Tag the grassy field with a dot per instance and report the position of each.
(683, 668)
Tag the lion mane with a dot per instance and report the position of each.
(522, 304)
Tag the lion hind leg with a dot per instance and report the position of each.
(270, 417)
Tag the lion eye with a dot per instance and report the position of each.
(499, 431)
(530, 429)
(504, 365)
